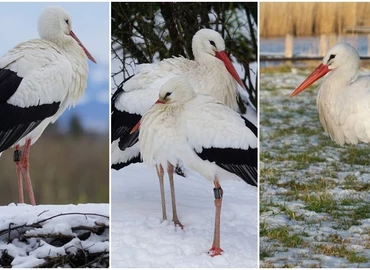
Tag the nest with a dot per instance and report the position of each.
(85, 244)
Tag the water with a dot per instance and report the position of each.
(308, 46)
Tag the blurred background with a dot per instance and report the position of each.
(70, 162)
(150, 32)
(293, 30)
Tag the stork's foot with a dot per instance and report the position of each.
(178, 223)
(215, 251)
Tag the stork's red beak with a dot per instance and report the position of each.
(229, 66)
(137, 126)
(83, 47)
(319, 72)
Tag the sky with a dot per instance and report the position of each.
(90, 22)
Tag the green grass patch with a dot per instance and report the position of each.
(321, 203)
(341, 251)
(355, 156)
(282, 235)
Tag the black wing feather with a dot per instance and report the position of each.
(241, 162)
(9, 82)
(120, 165)
(16, 122)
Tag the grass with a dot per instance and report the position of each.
(282, 235)
(341, 251)
(320, 203)
(63, 170)
(319, 189)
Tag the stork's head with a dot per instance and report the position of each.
(176, 90)
(55, 25)
(342, 57)
(173, 92)
(207, 42)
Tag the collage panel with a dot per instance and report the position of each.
(54, 134)
(314, 144)
(184, 108)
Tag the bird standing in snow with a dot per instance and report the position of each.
(39, 79)
(204, 134)
(210, 73)
(343, 100)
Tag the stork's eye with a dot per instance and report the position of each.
(332, 56)
(212, 43)
(67, 21)
(167, 94)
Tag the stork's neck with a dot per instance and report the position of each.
(331, 98)
(216, 80)
(78, 59)
(337, 81)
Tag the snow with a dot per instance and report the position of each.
(141, 239)
(30, 244)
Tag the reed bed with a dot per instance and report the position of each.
(307, 19)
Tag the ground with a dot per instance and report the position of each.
(314, 194)
(141, 239)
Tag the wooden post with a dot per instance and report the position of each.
(332, 40)
(323, 45)
(289, 45)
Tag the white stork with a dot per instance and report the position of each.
(343, 100)
(39, 79)
(210, 73)
(204, 134)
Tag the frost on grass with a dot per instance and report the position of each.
(54, 236)
(141, 239)
(314, 195)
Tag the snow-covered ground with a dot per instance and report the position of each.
(314, 195)
(141, 239)
(54, 235)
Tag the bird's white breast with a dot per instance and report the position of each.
(161, 133)
(345, 111)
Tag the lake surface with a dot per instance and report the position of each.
(309, 46)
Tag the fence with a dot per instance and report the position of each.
(325, 42)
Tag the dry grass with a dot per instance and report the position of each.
(306, 19)
(63, 170)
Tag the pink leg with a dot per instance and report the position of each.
(160, 173)
(216, 250)
(17, 157)
(175, 218)
(26, 171)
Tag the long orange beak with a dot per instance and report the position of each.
(320, 71)
(229, 66)
(83, 47)
(137, 126)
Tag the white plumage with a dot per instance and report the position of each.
(343, 100)
(204, 134)
(210, 73)
(187, 124)
(39, 79)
